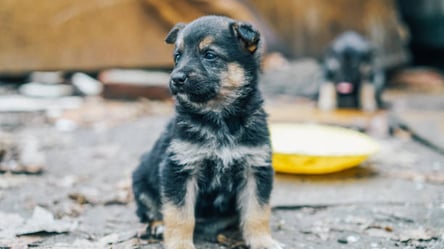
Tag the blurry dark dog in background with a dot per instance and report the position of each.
(211, 167)
(352, 79)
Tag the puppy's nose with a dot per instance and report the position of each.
(178, 79)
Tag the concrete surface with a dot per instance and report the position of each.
(394, 200)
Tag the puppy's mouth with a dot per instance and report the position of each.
(198, 98)
(344, 87)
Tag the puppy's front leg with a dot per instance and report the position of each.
(327, 100)
(178, 213)
(253, 202)
(368, 97)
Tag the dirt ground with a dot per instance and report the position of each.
(82, 197)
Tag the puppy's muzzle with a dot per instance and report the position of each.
(178, 80)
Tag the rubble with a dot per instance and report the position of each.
(21, 155)
(44, 90)
(86, 84)
(133, 84)
(41, 221)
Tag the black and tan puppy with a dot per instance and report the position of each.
(211, 167)
(352, 79)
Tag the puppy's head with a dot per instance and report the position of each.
(348, 62)
(215, 58)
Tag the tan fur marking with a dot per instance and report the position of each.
(252, 48)
(206, 42)
(180, 221)
(255, 219)
(232, 80)
(235, 76)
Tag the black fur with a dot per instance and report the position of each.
(210, 119)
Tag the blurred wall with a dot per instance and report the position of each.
(307, 27)
(94, 34)
(80, 35)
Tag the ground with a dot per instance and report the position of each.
(393, 200)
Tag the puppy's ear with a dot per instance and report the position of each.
(172, 35)
(247, 35)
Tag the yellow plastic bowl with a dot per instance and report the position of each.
(318, 149)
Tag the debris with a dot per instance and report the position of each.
(10, 181)
(379, 231)
(419, 78)
(21, 155)
(86, 84)
(418, 176)
(348, 240)
(67, 181)
(9, 221)
(419, 234)
(298, 78)
(17, 103)
(79, 198)
(43, 221)
(42, 90)
(68, 209)
(117, 238)
(135, 84)
(48, 77)
(23, 242)
(120, 195)
(230, 243)
(65, 125)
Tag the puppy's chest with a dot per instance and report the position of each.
(212, 157)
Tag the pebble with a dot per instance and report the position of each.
(43, 90)
(66, 125)
(86, 84)
(348, 239)
(49, 77)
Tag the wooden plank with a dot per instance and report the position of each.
(80, 35)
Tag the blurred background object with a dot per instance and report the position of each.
(425, 20)
(96, 34)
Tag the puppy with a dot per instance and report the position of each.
(211, 167)
(351, 77)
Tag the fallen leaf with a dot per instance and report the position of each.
(42, 221)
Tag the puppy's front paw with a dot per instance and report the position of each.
(156, 229)
(264, 243)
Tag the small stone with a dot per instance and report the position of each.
(352, 239)
(49, 77)
(42, 90)
(65, 125)
(86, 84)
(349, 239)
(343, 240)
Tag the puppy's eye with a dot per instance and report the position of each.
(177, 56)
(210, 55)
